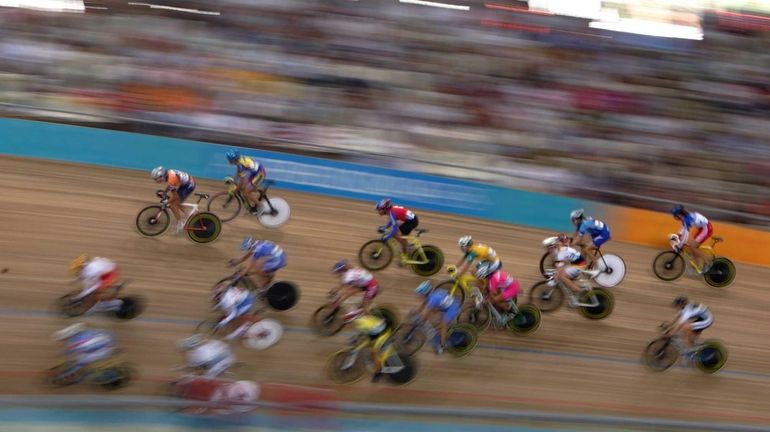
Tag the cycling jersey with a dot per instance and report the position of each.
(177, 179)
(275, 257)
(598, 230)
(570, 255)
(90, 346)
(483, 253)
(98, 274)
(696, 220)
(504, 283)
(439, 299)
(215, 356)
(400, 214)
(234, 303)
(247, 165)
(699, 313)
(362, 279)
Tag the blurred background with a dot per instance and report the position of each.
(635, 102)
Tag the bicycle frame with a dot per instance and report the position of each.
(464, 282)
(568, 292)
(384, 356)
(688, 254)
(234, 191)
(414, 241)
(192, 206)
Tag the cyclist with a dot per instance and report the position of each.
(373, 332)
(472, 251)
(355, 280)
(438, 301)
(209, 357)
(691, 219)
(97, 275)
(179, 186)
(691, 319)
(266, 259)
(397, 214)
(84, 347)
(570, 264)
(237, 304)
(502, 288)
(587, 226)
(250, 174)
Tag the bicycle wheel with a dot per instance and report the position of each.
(545, 297)
(721, 274)
(668, 266)
(479, 317)
(225, 205)
(461, 340)
(344, 369)
(546, 263)
(606, 302)
(435, 261)
(275, 217)
(114, 377)
(526, 322)
(203, 227)
(660, 354)
(327, 320)
(152, 221)
(408, 339)
(282, 296)
(263, 334)
(70, 308)
(131, 308)
(390, 317)
(63, 375)
(613, 270)
(459, 293)
(375, 255)
(711, 357)
(406, 374)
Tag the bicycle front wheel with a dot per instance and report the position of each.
(545, 297)
(668, 266)
(408, 340)
(225, 205)
(478, 317)
(327, 320)
(375, 255)
(547, 263)
(152, 221)
(660, 355)
(342, 368)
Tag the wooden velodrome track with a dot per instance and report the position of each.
(52, 212)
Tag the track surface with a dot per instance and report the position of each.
(52, 212)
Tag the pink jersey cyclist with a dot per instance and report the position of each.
(504, 283)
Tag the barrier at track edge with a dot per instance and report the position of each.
(78, 144)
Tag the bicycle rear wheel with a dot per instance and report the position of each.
(613, 270)
(225, 205)
(406, 374)
(282, 296)
(668, 266)
(152, 221)
(711, 357)
(131, 308)
(203, 227)
(275, 217)
(263, 334)
(606, 303)
(434, 257)
(721, 274)
(461, 340)
(375, 255)
(526, 322)
(545, 297)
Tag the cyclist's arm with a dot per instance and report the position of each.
(392, 225)
(230, 316)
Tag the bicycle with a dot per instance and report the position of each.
(230, 396)
(459, 286)
(280, 296)
(594, 303)
(260, 335)
(664, 352)
(670, 265)
(521, 320)
(201, 227)
(332, 317)
(347, 365)
(271, 213)
(461, 339)
(612, 268)
(131, 306)
(110, 374)
(422, 260)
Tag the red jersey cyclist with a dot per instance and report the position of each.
(179, 186)
(691, 219)
(502, 288)
(397, 214)
(355, 280)
(250, 174)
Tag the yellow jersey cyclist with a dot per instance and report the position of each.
(179, 186)
(374, 332)
(250, 174)
(476, 251)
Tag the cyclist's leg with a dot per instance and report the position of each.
(701, 236)
(369, 294)
(567, 274)
(174, 203)
(404, 230)
(448, 318)
(251, 193)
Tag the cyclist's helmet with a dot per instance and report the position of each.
(550, 242)
(232, 156)
(423, 289)
(69, 331)
(78, 263)
(340, 266)
(465, 241)
(483, 270)
(248, 243)
(680, 301)
(677, 210)
(158, 173)
(384, 204)
(190, 342)
(576, 215)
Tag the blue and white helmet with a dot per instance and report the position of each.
(424, 288)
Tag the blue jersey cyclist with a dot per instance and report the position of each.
(249, 173)
(266, 259)
(586, 226)
(438, 301)
(237, 304)
(84, 347)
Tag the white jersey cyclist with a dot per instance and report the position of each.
(702, 316)
(213, 357)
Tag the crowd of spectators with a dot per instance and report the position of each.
(480, 94)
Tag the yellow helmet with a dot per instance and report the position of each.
(78, 263)
(369, 324)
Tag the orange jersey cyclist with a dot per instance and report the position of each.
(179, 186)
(250, 174)
(396, 214)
